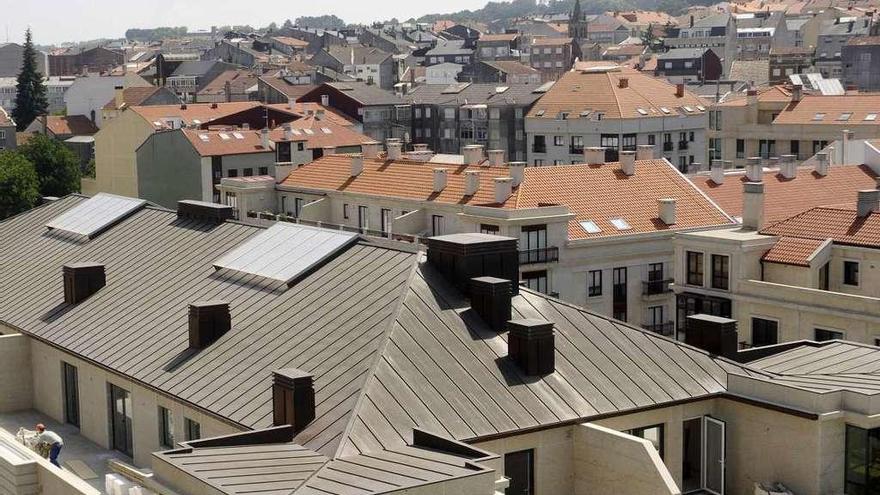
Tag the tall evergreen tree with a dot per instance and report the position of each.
(30, 101)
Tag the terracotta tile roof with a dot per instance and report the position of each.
(641, 17)
(546, 41)
(399, 179)
(294, 42)
(236, 142)
(786, 197)
(75, 125)
(792, 251)
(600, 91)
(308, 108)
(324, 133)
(831, 109)
(864, 41)
(5, 119)
(442, 25)
(774, 94)
(203, 112)
(132, 97)
(599, 193)
(602, 192)
(843, 225)
(499, 37)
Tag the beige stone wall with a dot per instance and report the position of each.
(553, 457)
(115, 158)
(16, 386)
(94, 407)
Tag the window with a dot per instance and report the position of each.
(297, 207)
(436, 224)
(449, 114)
(795, 147)
(192, 429)
(653, 434)
(533, 237)
(232, 172)
(248, 172)
(385, 218)
(823, 277)
(363, 217)
(609, 141)
(861, 456)
(629, 142)
(519, 468)
(822, 335)
(577, 144)
(652, 139)
(766, 148)
(282, 151)
(740, 148)
(487, 228)
(558, 141)
(536, 281)
(264, 170)
(764, 332)
(720, 271)
(70, 383)
(619, 301)
(166, 428)
(345, 211)
(851, 273)
(694, 264)
(594, 283)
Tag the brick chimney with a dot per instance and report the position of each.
(822, 163)
(293, 398)
(716, 172)
(208, 321)
(517, 171)
(645, 152)
(753, 205)
(357, 164)
(370, 150)
(666, 210)
(394, 148)
(440, 179)
(628, 162)
(471, 182)
(496, 157)
(623, 83)
(754, 169)
(679, 90)
(531, 345)
(868, 202)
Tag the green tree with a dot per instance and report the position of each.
(30, 101)
(19, 186)
(57, 167)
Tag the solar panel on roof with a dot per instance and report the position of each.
(95, 214)
(284, 251)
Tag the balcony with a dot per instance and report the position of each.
(668, 146)
(575, 150)
(540, 255)
(666, 329)
(539, 148)
(682, 145)
(656, 287)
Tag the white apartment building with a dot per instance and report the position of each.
(617, 109)
(596, 234)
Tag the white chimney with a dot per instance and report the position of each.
(473, 154)
(754, 169)
(503, 188)
(594, 155)
(357, 164)
(394, 149)
(645, 152)
(869, 202)
(716, 172)
(440, 179)
(264, 138)
(797, 92)
(288, 132)
(420, 147)
(471, 182)
(773, 162)
(291, 103)
(822, 164)
(119, 96)
(847, 138)
(517, 170)
(371, 149)
(753, 205)
(666, 210)
(788, 166)
(325, 100)
(496, 157)
(329, 150)
(628, 162)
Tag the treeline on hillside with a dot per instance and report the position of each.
(320, 22)
(136, 34)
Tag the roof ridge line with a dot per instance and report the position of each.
(377, 359)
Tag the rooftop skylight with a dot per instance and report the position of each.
(224, 136)
(620, 224)
(871, 117)
(845, 116)
(590, 227)
(819, 116)
(95, 214)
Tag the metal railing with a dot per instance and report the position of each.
(668, 146)
(540, 255)
(682, 145)
(666, 329)
(408, 238)
(575, 150)
(655, 287)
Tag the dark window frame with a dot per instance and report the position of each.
(192, 429)
(851, 273)
(694, 268)
(721, 272)
(640, 433)
(166, 427)
(764, 331)
(594, 283)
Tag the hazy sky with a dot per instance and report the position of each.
(56, 21)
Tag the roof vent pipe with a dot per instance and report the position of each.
(357, 164)
(264, 138)
(471, 182)
(716, 171)
(531, 345)
(788, 166)
(208, 321)
(370, 150)
(754, 170)
(288, 132)
(517, 170)
(394, 149)
(628, 162)
(822, 163)
(594, 155)
(503, 189)
(753, 205)
(473, 154)
(440, 179)
(868, 202)
(496, 157)
(645, 152)
(666, 210)
(293, 398)
(82, 280)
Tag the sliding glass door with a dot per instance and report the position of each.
(120, 420)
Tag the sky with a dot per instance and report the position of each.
(58, 21)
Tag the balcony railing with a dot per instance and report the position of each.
(666, 329)
(540, 255)
(539, 148)
(655, 287)
(682, 145)
(668, 146)
(575, 150)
